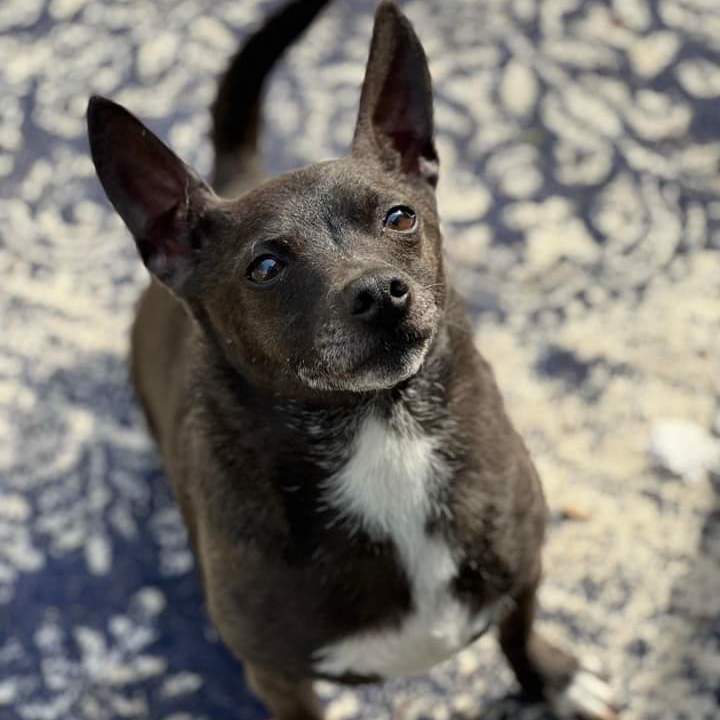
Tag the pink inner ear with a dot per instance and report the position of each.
(417, 154)
(403, 112)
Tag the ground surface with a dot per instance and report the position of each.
(580, 193)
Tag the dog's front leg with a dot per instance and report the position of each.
(546, 672)
(285, 698)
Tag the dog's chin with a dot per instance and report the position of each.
(383, 374)
(357, 371)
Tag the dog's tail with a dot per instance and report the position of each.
(236, 110)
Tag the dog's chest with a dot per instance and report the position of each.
(389, 488)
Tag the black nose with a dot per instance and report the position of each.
(381, 299)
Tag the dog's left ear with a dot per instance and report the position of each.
(395, 121)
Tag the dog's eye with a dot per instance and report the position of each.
(264, 269)
(401, 219)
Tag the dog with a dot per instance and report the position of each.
(357, 499)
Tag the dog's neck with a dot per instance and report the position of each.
(326, 413)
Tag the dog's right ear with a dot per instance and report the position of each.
(154, 192)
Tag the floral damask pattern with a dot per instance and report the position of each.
(580, 193)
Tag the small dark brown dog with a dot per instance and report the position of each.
(358, 501)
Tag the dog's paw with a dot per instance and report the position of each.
(587, 697)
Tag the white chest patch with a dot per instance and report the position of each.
(387, 487)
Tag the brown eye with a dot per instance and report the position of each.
(264, 269)
(401, 219)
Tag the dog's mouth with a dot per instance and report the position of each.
(393, 348)
(372, 362)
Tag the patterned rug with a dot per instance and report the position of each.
(580, 146)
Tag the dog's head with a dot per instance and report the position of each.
(326, 278)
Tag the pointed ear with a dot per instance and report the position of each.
(154, 192)
(395, 122)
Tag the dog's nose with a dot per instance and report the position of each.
(380, 299)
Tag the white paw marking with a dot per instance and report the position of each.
(588, 697)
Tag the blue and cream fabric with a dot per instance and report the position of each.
(580, 193)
